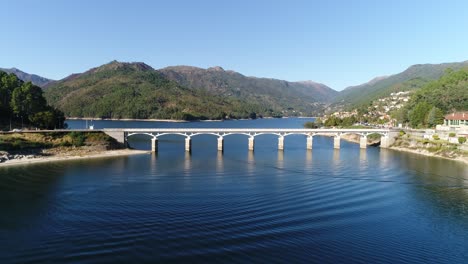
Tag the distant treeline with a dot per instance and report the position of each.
(22, 103)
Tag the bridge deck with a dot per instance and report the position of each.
(244, 130)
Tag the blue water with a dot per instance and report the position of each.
(319, 206)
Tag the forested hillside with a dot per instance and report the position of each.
(413, 78)
(23, 105)
(428, 105)
(135, 90)
(306, 97)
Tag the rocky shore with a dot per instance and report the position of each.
(5, 156)
(439, 148)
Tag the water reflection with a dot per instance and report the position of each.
(187, 163)
(153, 162)
(308, 159)
(363, 164)
(280, 159)
(219, 162)
(385, 158)
(250, 162)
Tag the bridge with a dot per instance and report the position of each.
(122, 135)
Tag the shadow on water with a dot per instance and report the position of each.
(441, 183)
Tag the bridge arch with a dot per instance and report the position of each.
(141, 134)
(211, 134)
(245, 134)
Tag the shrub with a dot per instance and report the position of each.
(77, 138)
(402, 133)
(451, 134)
(310, 125)
(374, 136)
(435, 137)
(461, 140)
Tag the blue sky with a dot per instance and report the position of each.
(339, 43)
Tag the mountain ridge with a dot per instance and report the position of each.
(28, 77)
(151, 93)
(413, 78)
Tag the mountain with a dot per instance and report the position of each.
(427, 106)
(136, 90)
(305, 96)
(412, 78)
(26, 77)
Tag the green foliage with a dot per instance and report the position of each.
(402, 133)
(310, 125)
(334, 121)
(413, 78)
(135, 90)
(374, 136)
(451, 134)
(461, 140)
(27, 100)
(427, 106)
(435, 137)
(418, 115)
(435, 117)
(24, 102)
(78, 138)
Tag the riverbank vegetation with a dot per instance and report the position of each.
(18, 142)
(22, 103)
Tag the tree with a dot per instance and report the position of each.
(435, 117)
(417, 116)
(333, 121)
(45, 119)
(27, 100)
(310, 125)
(8, 82)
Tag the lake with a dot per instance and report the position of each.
(325, 205)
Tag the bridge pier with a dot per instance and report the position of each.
(310, 141)
(251, 143)
(384, 142)
(220, 143)
(281, 143)
(154, 144)
(188, 144)
(336, 141)
(363, 142)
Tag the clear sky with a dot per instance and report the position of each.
(339, 43)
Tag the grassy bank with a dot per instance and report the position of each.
(20, 142)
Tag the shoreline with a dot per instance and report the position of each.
(126, 119)
(102, 154)
(426, 153)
